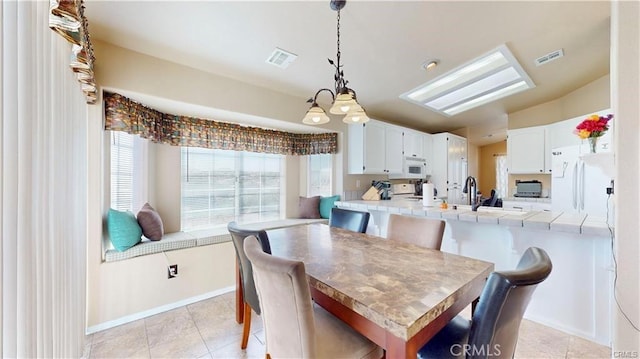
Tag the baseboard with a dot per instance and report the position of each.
(157, 310)
(569, 330)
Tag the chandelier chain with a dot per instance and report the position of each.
(338, 41)
(338, 78)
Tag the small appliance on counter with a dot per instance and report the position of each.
(384, 189)
(531, 189)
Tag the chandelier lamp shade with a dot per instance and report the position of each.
(344, 100)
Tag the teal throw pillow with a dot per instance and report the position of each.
(124, 230)
(326, 203)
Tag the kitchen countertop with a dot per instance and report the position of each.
(539, 220)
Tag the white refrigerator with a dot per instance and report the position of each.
(577, 185)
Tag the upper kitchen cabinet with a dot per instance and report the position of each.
(427, 142)
(528, 151)
(413, 144)
(375, 148)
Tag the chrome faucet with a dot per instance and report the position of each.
(471, 189)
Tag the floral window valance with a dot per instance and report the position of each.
(124, 114)
(66, 17)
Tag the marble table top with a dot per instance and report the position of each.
(400, 287)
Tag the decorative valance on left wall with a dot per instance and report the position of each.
(124, 114)
(66, 17)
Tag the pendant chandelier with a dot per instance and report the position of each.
(343, 99)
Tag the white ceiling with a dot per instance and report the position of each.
(383, 45)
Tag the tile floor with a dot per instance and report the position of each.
(208, 329)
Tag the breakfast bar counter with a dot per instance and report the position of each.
(577, 296)
(542, 220)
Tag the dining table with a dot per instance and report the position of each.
(397, 294)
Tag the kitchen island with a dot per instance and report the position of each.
(577, 296)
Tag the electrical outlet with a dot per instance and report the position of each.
(173, 271)
(610, 188)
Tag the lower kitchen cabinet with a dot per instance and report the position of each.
(526, 206)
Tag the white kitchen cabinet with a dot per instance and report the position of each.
(527, 151)
(393, 149)
(526, 206)
(449, 166)
(413, 143)
(375, 148)
(427, 142)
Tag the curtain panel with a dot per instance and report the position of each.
(43, 189)
(124, 114)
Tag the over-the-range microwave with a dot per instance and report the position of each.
(412, 167)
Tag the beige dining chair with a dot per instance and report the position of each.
(424, 232)
(295, 327)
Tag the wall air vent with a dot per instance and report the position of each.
(281, 58)
(549, 57)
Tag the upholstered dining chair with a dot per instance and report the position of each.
(355, 221)
(493, 329)
(425, 232)
(250, 296)
(295, 327)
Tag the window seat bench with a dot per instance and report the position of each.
(202, 237)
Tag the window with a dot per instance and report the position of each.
(220, 186)
(319, 175)
(128, 159)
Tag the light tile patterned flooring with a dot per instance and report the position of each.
(208, 329)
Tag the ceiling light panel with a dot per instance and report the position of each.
(487, 78)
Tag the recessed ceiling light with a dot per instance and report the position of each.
(429, 64)
(489, 77)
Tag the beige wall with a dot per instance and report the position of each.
(625, 57)
(589, 98)
(473, 160)
(487, 166)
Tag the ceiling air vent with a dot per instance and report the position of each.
(281, 58)
(549, 57)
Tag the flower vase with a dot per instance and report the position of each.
(593, 144)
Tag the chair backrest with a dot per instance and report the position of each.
(287, 310)
(425, 232)
(505, 297)
(491, 201)
(352, 220)
(238, 236)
